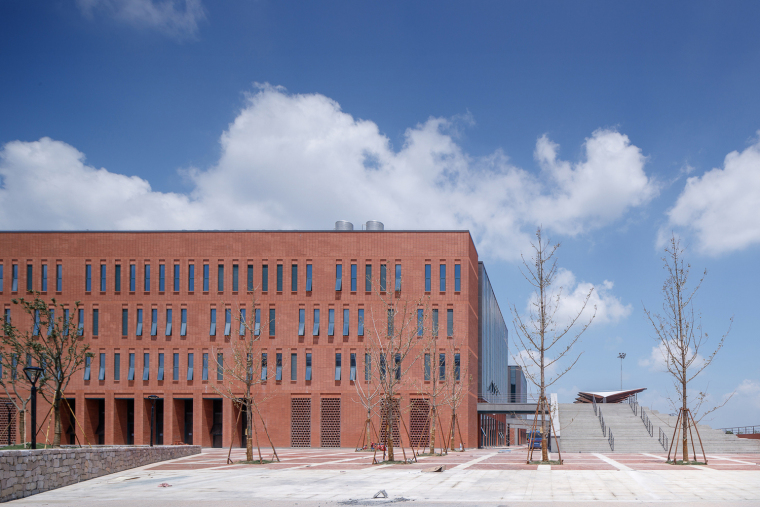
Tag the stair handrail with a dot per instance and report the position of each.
(611, 441)
(663, 439)
(634, 406)
(601, 421)
(593, 402)
(647, 422)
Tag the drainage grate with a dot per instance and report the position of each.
(300, 422)
(330, 427)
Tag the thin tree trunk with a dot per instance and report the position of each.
(22, 425)
(57, 426)
(249, 435)
(432, 431)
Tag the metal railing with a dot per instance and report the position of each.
(663, 439)
(647, 423)
(605, 429)
(508, 398)
(634, 406)
(742, 430)
(611, 441)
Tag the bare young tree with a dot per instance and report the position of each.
(457, 381)
(17, 387)
(244, 368)
(678, 331)
(368, 394)
(539, 332)
(393, 341)
(55, 342)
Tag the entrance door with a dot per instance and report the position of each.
(216, 427)
(130, 422)
(159, 422)
(189, 422)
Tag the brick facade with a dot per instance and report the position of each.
(116, 412)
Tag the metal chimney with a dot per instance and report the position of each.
(374, 225)
(343, 225)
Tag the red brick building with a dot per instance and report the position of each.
(156, 309)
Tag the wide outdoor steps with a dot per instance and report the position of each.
(581, 431)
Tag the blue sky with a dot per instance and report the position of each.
(612, 124)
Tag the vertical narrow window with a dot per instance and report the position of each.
(227, 321)
(250, 278)
(1, 278)
(29, 277)
(263, 365)
(450, 322)
(456, 366)
(191, 278)
(241, 331)
(427, 366)
(51, 325)
(272, 321)
(346, 321)
(264, 278)
(168, 322)
(442, 366)
(360, 323)
(352, 365)
(154, 322)
(383, 273)
(337, 365)
(390, 321)
(220, 278)
(87, 362)
(138, 329)
(80, 331)
(102, 278)
(65, 321)
(160, 375)
(353, 277)
(131, 371)
(294, 277)
(443, 277)
(367, 366)
(382, 366)
(132, 277)
(190, 365)
(397, 367)
(330, 322)
(117, 366)
(204, 372)
(308, 278)
(257, 322)
(124, 322)
(59, 277)
(36, 328)
(175, 366)
(368, 277)
(220, 366)
(117, 278)
(435, 322)
(176, 278)
(183, 317)
(212, 327)
(457, 277)
(315, 330)
(308, 366)
(205, 277)
(278, 366)
(14, 277)
(398, 278)
(293, 366)
(147, 278)
(88, 277)
(235, 276)
(146, 366)
(338, 277)
(420, 321)
(279, 278)
(44, 277)
(427, 278)
(301, 321)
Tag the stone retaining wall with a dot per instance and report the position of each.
(25, 473)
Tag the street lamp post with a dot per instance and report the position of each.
(33, 373)
(153, 399)
(621, 356)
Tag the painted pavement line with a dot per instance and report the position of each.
(654, 456)
(612, 462)
(320, 464)
(734, 460)
(474, 461)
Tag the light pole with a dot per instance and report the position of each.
(153, 399)
(33, 373)
(621, 356)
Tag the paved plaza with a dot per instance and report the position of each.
(498, 477)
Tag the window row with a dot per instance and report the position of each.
(188, 366)
(220, 279)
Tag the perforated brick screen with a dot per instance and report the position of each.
(419, 422)
(330, 427)
(300, 422)
(384, 414)
(7, 422)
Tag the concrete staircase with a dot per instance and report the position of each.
(581, 432)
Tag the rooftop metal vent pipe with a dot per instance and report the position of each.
(374, 225)
(343, 225)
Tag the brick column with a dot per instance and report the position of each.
(198, 419)
(170, 420)
(142, 431)
(110, 416)
(228, 415)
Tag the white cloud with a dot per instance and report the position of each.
(657, 360)
(298, 161)
(609, 309)
(166, 16)
(721, 206)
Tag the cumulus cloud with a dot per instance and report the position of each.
(298, 161)
(721, 206)
(657, 359)
(166, 16)
(749, 392)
